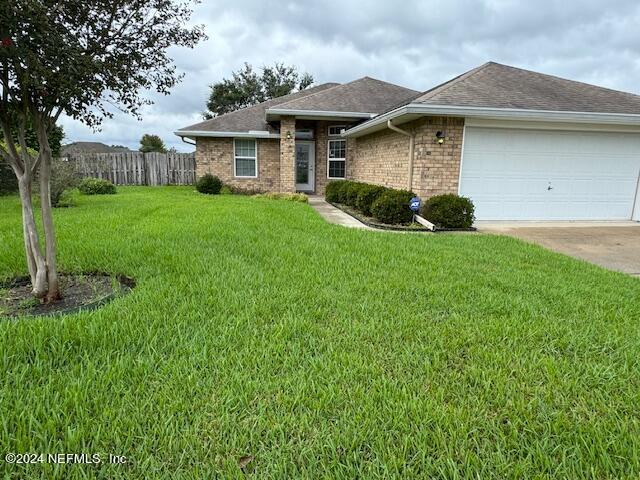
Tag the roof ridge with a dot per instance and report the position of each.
(316, 93)
(387, 83)
(557, 77)
(256, 105)
(333, 85)
(454, 81)
(349, 83)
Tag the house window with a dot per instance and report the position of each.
(304, 133)
(245, 157)
(336, 164)
(336, 130)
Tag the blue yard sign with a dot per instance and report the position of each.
(415, 203)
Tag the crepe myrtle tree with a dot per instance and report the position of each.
(82, 59)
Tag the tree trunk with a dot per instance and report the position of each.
(35, 260)
(49, 232)
(42, 268)
(53, 293)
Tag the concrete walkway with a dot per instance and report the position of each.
(334, 215)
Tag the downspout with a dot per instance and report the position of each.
(182, 138)
(412, 139)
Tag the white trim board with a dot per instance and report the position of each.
(571, 127)
(415, 110)
(316, 113)
(635, 214)
(204, 133)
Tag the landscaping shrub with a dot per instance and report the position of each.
(64, 177)
(368, 194)
(292, 197)
(334, 191)
(351, 192)
(245, 191)
(392, 207)
(226, 190)
(209, 184)
(449, 211)
(8, 180)
(96, 186)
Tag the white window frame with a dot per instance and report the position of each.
(329, 159)
(235, 157)
(343, 127)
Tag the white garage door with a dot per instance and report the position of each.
(550, 175)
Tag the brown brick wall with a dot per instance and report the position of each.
(215, 156)
(287, 154)
(321, 138)
(382, 157)
(322, 145)
(436, 168)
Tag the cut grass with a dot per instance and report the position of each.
(259, 332)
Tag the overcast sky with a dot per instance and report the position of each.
(417, 44)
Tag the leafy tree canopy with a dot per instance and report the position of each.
(81, 58)
(246, 87)
(152, 143)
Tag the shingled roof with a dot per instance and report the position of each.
(494, 85)
(365, 95)
(251, 118)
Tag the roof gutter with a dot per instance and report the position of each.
(412, 140)
(317, 113)
(497, 114)
(218, 134)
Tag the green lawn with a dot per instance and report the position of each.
(324, 352)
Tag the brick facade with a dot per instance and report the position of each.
(381, 157)
(287, 154)
(322, 146)
(215, 156)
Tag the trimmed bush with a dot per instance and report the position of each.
(392, 207)
(351, 192)
(226, 190)
(246, 191)
(292, 197)
(334, 191)
(64, 178)
(96, 186)
(368, 194)
(449, 211)
(209, 184)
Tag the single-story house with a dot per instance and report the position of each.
(522, 145)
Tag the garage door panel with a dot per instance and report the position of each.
(507, 173)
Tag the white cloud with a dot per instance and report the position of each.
(413, 43)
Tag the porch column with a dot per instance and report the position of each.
(287, 154)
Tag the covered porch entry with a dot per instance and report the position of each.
(312, 153)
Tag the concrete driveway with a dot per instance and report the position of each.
(614, 245)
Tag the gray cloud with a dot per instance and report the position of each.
(413, 43)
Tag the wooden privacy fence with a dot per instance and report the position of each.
(137, 168)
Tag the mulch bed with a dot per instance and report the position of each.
(79, 292)
(414, 227)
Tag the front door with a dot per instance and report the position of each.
(305, 166)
